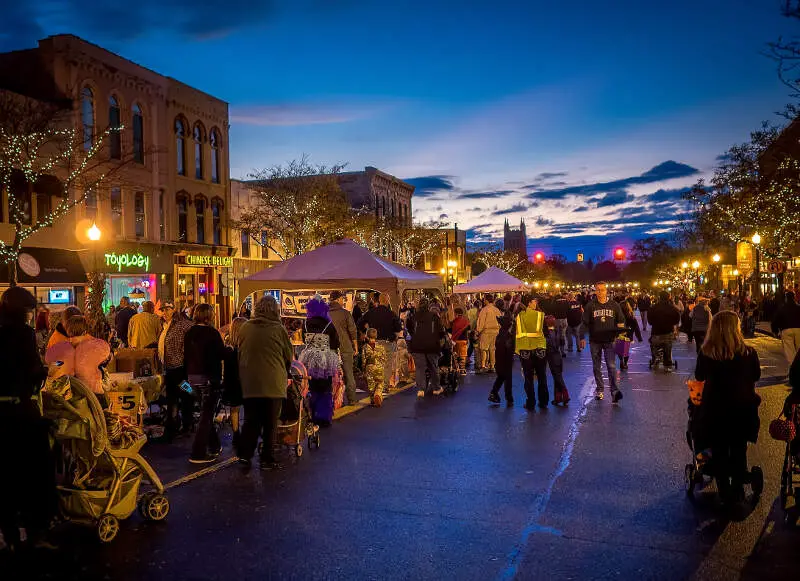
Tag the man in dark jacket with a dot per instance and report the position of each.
(644, 304)
(604, 320)
(425, 346)
(27, 487)
(122, 319)
(560, 311)
(348, 342)
(714, 304)
(504, 360)
(664, 318)
(786, 323)
(389, 327)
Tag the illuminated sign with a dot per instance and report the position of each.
(127, 261)
(197, 260)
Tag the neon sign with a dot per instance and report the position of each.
(198, 260)
(121, 261)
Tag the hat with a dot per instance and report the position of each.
(336, 295)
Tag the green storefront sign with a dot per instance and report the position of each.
(128, 261)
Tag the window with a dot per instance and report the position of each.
(114, 137)
(43, 206)
(198, 152)
(180, 145)
(139, 214)
(116, 211)
(245, 245)
(393, 207)
(91, 205)
(183, 214)
(264, 245)
(199, 210)
(215, 145)
(162, 224)
(216, 221)
(138, 134)
(87, 117)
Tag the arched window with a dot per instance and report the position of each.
(393, 207)
(114, 137)
(138, 134)
(183, 217)
(198, 151)
(216, 221)
(215, 147)
(200, 212)
(180, 145)
(87, 117)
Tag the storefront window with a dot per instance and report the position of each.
(139, 214)
(199, 208)
(138, 288)
(183, 211)
(116, 211)
(42, 206)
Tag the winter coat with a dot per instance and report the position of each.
(345, 327)
(144, 330)
(203, 352)
(122, 321)
(426, 332)
(730, 402)
(384, 320)
(701, 318)
(504, 345)
(460, 329)
(487, 319)
(265, 355)
(82, 356)
(22, 367)
(787, 317)
(604, 321)
(663, 318)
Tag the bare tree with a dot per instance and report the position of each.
(406, 245)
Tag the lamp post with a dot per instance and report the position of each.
(715, 259)
(94, 234)
(736, 274)
(756, 240)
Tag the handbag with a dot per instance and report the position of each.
(622, 346)
(782, 429)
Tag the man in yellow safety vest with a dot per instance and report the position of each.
(532, 351)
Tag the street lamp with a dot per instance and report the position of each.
(684, 265)
(756, 240)
(94, 233)
(716, 258)
(696, 265)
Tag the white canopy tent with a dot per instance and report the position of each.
(492, 280)
(340, 266)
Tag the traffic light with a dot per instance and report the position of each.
(538, 258)
(619, 254)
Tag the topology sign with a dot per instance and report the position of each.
(128, 261)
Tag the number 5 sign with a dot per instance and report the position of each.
(127, 401)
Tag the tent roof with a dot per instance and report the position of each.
(491, 280)
(341, 265)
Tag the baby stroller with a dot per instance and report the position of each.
(703, 467)
(449, 376)
(102, 469)
(790, 475)
(657, 356)
(295, 423)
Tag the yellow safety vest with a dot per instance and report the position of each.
(529, 331)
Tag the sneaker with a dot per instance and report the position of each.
(598, 395)
(377, 400)
(245, 462)
(207, 459)
(494, 398)
(617, 396)
(420, 394)
(439, 391)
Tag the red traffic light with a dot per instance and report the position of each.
(619, 254)
(538, 257)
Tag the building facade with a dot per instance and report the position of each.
(163, 212)
(515, 239)
(383, 194)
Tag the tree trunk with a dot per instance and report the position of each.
(12, 273)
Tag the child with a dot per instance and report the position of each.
(631, 329)
(374, 357)
(504, 360)
(402, 371)
(555, 361)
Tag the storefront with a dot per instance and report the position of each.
(205, 278)
(55, 276)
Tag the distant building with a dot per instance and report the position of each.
(385, 195)
(515, 239)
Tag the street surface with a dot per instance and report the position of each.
(454, 488)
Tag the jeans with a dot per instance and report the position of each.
(663, 342)
(598, 351)
(206, 439)
(426, 362)
(644, 320)
(556, 364)
(537, 365)
(349, 377)
(698, 337)
(177, 399)
(561, 332)
(573, 333)
(504, 378)
(260, 419)
(388, 369)
(730, 459)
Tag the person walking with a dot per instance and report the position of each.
(459, 333)
(348, 342)
(144, 328)
(631, 330)
(531, 347)
(729, 410)
(425, 346)
(504, 360)
(265, 355)
(561, 308)
(786, 325)
(204, 352)
(320, 358)
(714, 304)
(555, 360)
(604, 320)
(643, 304)
(28, 497)
(487, 328)
(664, 320)
(122, 320)
(574, 321)
(231, 384)
(374, 357)
(389, 328)
(171, 354)
(701, 319)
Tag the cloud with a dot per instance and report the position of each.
(427, 186)
(19, 26)
(484, 195)
(542, 221)
(515, 209)
(612, 199)
(581, 209)
(294, 114)
(662, 172)
(550, 175)
(667, 195)
(443, 216)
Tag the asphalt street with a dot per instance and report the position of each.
(455, 488)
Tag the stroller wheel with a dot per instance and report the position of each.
(154, 506)
(675, 364)
(757, 480)
(107, 528)
(298, 450)
(690, 478)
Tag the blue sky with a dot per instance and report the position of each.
(586, 118)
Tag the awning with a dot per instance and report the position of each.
(47, 267)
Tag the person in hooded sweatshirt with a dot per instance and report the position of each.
(60, 334)
(504, 360)
(555, 359)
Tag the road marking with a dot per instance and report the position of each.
(540, 504)
(199, 473)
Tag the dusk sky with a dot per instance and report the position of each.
(587, 118)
